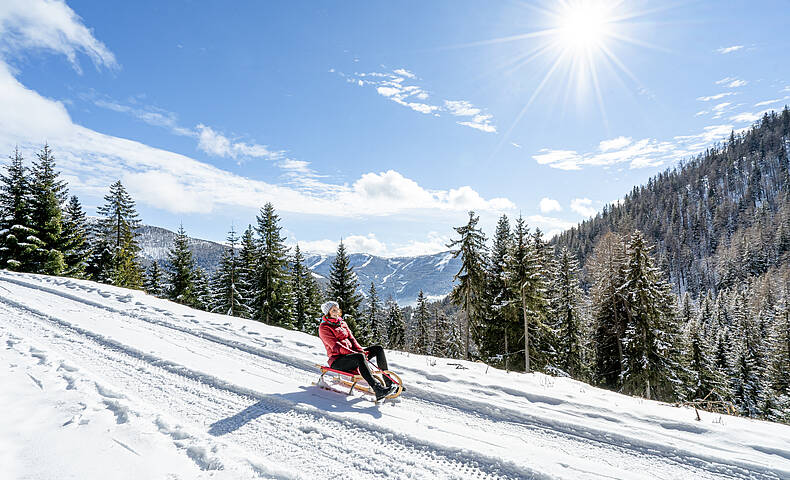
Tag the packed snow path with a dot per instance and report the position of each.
(138, 384)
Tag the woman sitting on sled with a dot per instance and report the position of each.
(347, 355)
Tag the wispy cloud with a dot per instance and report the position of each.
(154, 116)
(732, 82)
(400, 87)
(369, 243)
(718, 96)
(217, 144)
(725, 50)
(647, 152)
(27, 25)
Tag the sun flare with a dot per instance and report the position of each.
(584, 26)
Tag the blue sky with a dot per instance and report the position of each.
(380, 122)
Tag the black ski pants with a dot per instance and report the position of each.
(354, 361)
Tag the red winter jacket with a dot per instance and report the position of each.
(337, 338)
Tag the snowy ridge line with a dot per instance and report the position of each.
(488, 464)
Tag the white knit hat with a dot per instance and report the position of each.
(328, 306)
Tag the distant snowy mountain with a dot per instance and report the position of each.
(402, 278)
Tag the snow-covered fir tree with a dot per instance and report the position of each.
(17, 237)
(441, 333)
(181, 270)
(248, 261)
(396, 326)
(650, 363)
(272, 295)
(422, 341)
(501, 305)
(527, 283)
(202, 298)
(153, 280)
(567, 315)
(48, 193)
(306, 295)
(225, 296)
(117, 233)
(609, 311)
(373, 317)
(74, 240)
(469, 291)
(343, 284)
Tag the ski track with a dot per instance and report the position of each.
(229, 413)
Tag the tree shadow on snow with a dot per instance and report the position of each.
(301, 400)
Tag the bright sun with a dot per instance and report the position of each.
(584, 26)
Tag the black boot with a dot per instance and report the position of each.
(382, 391)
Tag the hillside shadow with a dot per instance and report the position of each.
(281, 403)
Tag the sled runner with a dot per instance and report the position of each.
(355, 381)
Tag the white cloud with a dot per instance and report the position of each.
(398, 87)
(614, 144)
(646, 152)
(719, 109)
(725, 50)
(49, 25)
(549, 205)
(434, 243)
(550, 226)
(767, 102)
(169, 181)
(583, 206)
(749, 117)
(732, 82)
(219, 145)
(515, 144)
(715, 97)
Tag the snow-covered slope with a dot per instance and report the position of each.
(101, 382)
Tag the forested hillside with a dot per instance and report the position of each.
(716, 220)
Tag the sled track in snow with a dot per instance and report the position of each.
(289, 427)
(242, 428)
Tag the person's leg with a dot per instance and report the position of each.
(352, 361)
(375, 351)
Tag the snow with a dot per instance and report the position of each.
(101, 382)
(367, 262)
(442, 263)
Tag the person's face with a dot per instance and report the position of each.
(334, 312)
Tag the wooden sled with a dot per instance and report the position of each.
(356, 382)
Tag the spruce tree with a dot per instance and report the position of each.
(48, 193)
(649, 363)
(305, 295)
(117, 232)
(272, 299)
(526, 280)
(226, 297)
(501, 304)
(609, 316)
(153, 280)
(202, 298)
(396, 326)
(469, 292)
(248, 261)
(777, 404)
(566, 306)
(75, 246)
(745, 381)
(343, 285)
(373, 316)
(422, 343)
(441, 333)
(17, 237)
(181, 270)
